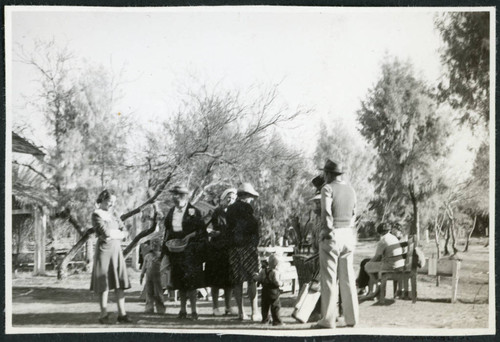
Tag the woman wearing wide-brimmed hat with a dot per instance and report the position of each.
(217, 263)
(243, 235)
(184, 221)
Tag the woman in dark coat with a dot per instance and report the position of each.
(185, 221)
(217, 265)
(110, 271)
(243, 236)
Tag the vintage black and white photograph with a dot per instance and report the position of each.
(258, 170)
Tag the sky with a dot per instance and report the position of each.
(325, 59)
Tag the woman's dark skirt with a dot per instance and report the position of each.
(243, 264)
(217, 266)
(187, 268)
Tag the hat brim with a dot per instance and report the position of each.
(332, 171)
(181, 192)
(255, 195)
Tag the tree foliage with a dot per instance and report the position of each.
(400, 119)
(218, 140)
(466, 55)
(356, 156)
(87, 140)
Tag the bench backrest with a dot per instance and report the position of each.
(402, 255)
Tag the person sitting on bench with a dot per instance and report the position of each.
(385, 258)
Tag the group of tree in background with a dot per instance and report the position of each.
(398, 164)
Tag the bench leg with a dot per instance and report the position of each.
(413, 288)
(383, 283)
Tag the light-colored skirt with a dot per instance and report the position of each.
(110, 270)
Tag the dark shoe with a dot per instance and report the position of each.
(182, 315)
(105, 320)
(278, 323)
(242, 317)
(265, 321)
(318, 326)
(194, 316)
(124, 319)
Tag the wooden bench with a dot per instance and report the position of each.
(402, 275)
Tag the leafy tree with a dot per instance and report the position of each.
(466, 55)
(400, 119)
(89, 144)
(217, 140)
(466, 86)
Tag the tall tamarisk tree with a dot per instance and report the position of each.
(400, 119)
(465, 85)
(465, 55)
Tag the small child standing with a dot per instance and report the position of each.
(151, 268)
(269, 277)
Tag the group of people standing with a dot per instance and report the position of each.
(230, 254)
(229, 251)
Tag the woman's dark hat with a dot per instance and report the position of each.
(180, 189)
(333, 167)
(318, 182)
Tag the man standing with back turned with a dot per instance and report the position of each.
(336, 248)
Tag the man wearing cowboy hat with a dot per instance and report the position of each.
(336, 247)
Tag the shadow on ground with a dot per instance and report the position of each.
(143, 320)
(52, 295)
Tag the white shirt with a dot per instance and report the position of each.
(177, 218)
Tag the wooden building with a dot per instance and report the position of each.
(29, 198)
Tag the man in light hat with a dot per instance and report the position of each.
(336, 247)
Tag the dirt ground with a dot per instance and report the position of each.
(49, 303)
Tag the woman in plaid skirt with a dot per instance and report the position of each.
(243, 235)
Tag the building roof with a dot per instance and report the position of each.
(21, 145)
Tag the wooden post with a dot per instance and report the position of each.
(454, 280)
(40, 223)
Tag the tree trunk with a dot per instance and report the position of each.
(139, 236)
(436, 237)
(446, 240)
(416, 220)
(470, 234)
(63, 265)
(150, 200)
(436, 240)
(453, 238)
(66, 215)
